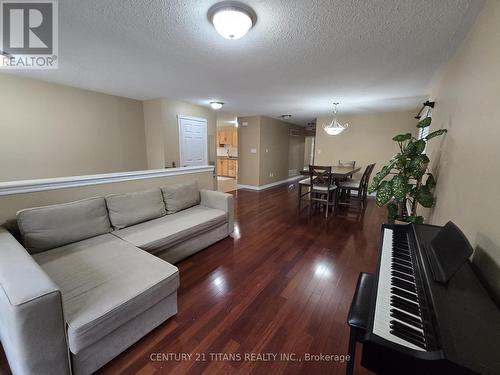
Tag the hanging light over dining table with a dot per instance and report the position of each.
(335, 127)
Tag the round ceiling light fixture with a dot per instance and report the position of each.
(232, 19)
(216, 105)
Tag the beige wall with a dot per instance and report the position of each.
(10, 204)
(467, 98)
(248, 139)
(170, 110)
(277, 152)
(155, 138)
(296, 149)
(367, 140)
(50, 130)
(162, 130)
(309, 149)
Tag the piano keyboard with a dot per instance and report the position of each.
(398, 315)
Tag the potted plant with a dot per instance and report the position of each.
(400, 184)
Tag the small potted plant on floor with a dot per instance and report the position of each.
(400, 184)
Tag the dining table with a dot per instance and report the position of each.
(338, 172)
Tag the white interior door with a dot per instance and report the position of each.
(193, 146)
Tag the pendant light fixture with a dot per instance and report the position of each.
(335, 127)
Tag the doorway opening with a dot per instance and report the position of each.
(227, 153)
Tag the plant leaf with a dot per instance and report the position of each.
(424, 123)
(436, 133)
(392, 212)
(384, 193)
(430, 182)
(382, 174)
(418, 165)
(415, 219)
(415, 148)
(400, 187)
(402, 137)
(424, 196)
(419, 146)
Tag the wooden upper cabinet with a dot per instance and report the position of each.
(235, 138)
(221, 137)
(227, 137)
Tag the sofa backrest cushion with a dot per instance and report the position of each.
(44, 228)
(133, 208)
(181, 196)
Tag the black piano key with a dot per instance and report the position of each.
(403, 284)
(400, 241)
(400, 315)
(410, 339)
(404, 294)
(407, 331)
(402, 262)
(401, 250)
(405, 305)
(404, 276)
(403, 269)
(402, 256)
(401, 246)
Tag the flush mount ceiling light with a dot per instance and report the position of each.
(232, 19)
(285, 117)
(216, 105)
(335, 127)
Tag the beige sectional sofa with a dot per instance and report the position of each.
(90, 278)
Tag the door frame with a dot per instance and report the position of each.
(179, 126)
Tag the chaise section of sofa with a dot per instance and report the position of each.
(110, 289)
(32, 326)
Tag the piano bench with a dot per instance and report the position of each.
(357, 319)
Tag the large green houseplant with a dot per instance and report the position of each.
(400, 184)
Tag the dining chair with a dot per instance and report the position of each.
(347, 163)
(304, 183)
(322, 187)
(359, 186)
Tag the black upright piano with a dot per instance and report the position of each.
(429, 313)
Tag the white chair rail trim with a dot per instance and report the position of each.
(30, 186)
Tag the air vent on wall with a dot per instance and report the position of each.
(294, 133)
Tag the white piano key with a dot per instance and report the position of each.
(382, 318)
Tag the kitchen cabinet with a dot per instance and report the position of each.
(235, 139)
(227, 137)
(231, 168)
(220, 167)
(227, 167)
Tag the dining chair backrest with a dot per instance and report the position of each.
(320, 175)
(347, 163)
(365, 179)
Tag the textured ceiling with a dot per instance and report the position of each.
(300, 56)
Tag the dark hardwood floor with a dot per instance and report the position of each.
(282, 283)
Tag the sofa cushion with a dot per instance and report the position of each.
(160, 234)
(44, 228)
(105, 282)
(133, 208)
(181, 196)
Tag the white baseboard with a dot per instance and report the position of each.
(267, 186)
